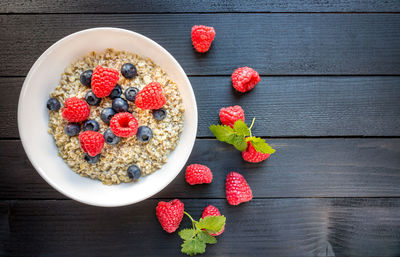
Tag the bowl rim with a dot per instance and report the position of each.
(22, 135)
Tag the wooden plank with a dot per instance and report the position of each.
(275, 44)
(169, 6)
(263, 227)
(4, 226)
(283, 106)
(300, 168)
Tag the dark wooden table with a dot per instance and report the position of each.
(328, 101)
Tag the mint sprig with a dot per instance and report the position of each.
(239, 135)
(196, 238)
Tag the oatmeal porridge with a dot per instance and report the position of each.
(159, 129)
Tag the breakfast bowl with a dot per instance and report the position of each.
(33, 117)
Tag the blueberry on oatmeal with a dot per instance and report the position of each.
(130, 94)
(116, 92)
(91, 125)
(92, 99)
(107, 114)
(128, 70)
(53, 104)
(72, 129)
(120, 105)
(144, 134)
(91, 159)
(134, 172)
(86, 77)
(110, 138)
(159, 114)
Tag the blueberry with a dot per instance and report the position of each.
(107, 114)
(92, 99)
(130, 93)
(159, 114)
(144, 134)
(134, 172)
(86, 77)
(72, 129)
(119, 105)
(91, 159)
(110, 138)
(53, 104)
(116, 92)
(91, 125)
(128, 70)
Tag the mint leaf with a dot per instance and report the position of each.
(241, 128)
(239, 142)
(193, 246)
(187, 233)
(222, 133)
(228, 135)
(206, 238)
(212, 224)
(260, 145)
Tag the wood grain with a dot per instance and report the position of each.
(275, 44)
(169, 6)
(262, 227)
(300, 168)
(283, 106)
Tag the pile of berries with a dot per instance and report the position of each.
(118, 119)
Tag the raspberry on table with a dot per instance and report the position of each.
(251, 155)
(123, 124)
(104, 81)
(151, 97)
(245, 79)
(231, 114)
(75, 110)
(92, 142)
(170, 214)
(198, 174)
(212, 211)
(202, 37)
(237, 189)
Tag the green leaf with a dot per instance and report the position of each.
(239, 142)
(206, 238)
(222, 133)
(193, 246)
(241, 128)
(187, 233)
(260, 145)
(212, 224)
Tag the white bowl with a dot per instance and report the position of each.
(33, 117)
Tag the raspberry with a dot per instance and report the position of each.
(212, 211)
(170, 214)
(202, 37)
(123, 124)
(104, 81)
(151, 97)
(230, 114)
(251, 155)
(91, 142)
(75, 110)
(198, 174)
(237, 189)
(245, 79)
